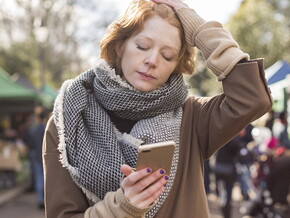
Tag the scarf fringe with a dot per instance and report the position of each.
(61, 130)
(90, 195)
(127, 138)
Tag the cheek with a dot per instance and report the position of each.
(164, 78)
(129, 57)
(169, 70)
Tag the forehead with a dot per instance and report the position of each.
(160, 30)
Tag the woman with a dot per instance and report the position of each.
(135, 95)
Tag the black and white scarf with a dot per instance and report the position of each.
(92, 148)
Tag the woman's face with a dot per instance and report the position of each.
(149, 57)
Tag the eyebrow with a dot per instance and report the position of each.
(150, 39)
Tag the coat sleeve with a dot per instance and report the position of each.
(220, 51)
(246, 97)
(63, 198)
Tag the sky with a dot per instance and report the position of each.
(217, 10)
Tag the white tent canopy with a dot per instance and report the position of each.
(278, 76)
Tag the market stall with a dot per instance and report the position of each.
(13, 97)
(17, 103)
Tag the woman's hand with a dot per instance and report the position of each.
(143, 187)
(175, 4)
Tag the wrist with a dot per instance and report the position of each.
(127, 206)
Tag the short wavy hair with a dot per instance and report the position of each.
(132, 22)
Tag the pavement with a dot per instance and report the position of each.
(22, 206)
(19, 202)
(215, 210)
(11, 193)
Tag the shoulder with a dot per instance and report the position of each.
(50, 126)
(51, 136)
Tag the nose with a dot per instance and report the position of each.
(151, 60)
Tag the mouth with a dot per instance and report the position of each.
(146, 76)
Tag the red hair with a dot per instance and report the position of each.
(132, 22)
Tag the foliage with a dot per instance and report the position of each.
(16, 59)
(47, 40)
(261, 31)
(282, 11)
(203, 82)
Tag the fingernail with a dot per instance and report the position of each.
(148, 170)
(164, 185)
(166, 177)
(162, 171)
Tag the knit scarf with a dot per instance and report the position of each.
(92, 148)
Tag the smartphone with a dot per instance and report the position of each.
(156, 156)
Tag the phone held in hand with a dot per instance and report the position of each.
(156, 156)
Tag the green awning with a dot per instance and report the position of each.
(49, 91)
(12, 91)
(45, 99)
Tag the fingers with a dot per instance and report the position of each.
(143, 187)
(135, 177)
(175, 4)
(145, 182)
(150, 194)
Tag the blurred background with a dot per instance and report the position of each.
(45, 42)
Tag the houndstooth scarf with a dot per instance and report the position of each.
(92, 148)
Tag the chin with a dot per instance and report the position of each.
(144, 89)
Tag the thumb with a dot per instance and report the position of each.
(126, 169)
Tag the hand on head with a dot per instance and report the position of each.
(143, 187)
(175, 4)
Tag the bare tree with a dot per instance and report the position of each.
(58, 35)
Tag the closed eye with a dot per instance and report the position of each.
(141, 48)
(169, 59)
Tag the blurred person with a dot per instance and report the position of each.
(9, 154)
(36, 133)
(280, 130)
(245, 160)
(278, 180)
(226, 173)
(270, 119)
(135, 95)
(27, 139)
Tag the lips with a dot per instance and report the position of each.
(146, 76)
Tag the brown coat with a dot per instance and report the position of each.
(208, 123)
